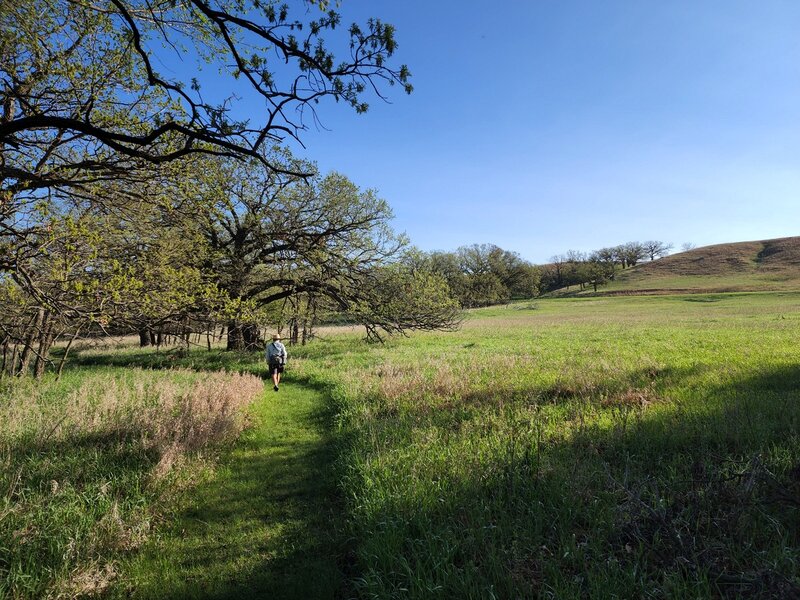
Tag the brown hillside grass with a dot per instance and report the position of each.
(744, 266)
(770, 255)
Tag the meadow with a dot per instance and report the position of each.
(604, 448)
(613, 447)
(92, 462)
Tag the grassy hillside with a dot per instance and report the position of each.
(744, 266)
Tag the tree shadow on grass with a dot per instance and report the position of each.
(686, 499)
(67, 502)
(214, 360)
(268, 525)
(197, 359)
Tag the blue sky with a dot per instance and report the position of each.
(543, 126)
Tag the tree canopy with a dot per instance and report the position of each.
(484, 274)
(84, 75)
(136, 195)
(82, 101)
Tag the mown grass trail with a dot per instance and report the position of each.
(264, 525)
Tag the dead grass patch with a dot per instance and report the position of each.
(90, 581)
(631, 398)
(172, 412)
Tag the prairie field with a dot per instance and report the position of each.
(616, 447)
(91, 462)
(604, 448)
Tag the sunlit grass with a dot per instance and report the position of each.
(625, 447)
(263, 524)
(591, 447)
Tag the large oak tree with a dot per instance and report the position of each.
(83, 101)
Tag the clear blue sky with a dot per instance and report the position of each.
(543, 126)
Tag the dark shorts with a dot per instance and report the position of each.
(273, 367)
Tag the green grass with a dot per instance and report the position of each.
(263, 525)
(617, 447)
(623, 447)
(91, 461)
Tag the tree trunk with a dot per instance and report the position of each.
(235, 336)
(66, 352)
(145, 337)
(5, 356)
(12, 362)
(252, 337)
(243, 336)
(27, 351)
(45, 342)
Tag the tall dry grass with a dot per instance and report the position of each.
(412, 385)
(89, 462)
(170, 413)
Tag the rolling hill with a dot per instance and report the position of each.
(737, 267)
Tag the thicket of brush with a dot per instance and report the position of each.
(90, 462)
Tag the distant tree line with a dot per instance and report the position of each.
(482, 274)
(599, 267)
(485, 274)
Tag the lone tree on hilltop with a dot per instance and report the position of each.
(630, 254)
(656, 249)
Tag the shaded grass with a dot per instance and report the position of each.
(264, 525)
(642, 447)
(88, 465)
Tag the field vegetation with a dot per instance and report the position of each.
(91, 461)
(565, 448)
(625, 447)
(743, 266)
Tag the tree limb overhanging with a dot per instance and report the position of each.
(129, 201)
(50, 82)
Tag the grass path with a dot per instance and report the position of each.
(265, 526)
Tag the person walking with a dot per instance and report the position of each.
(276, 360)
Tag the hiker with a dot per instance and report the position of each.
(276, 359)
